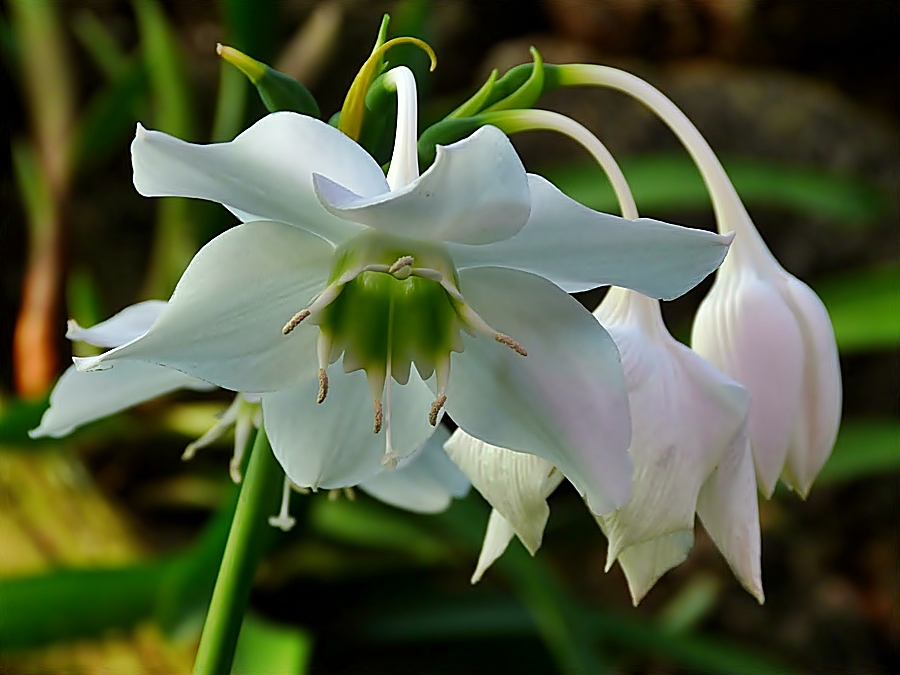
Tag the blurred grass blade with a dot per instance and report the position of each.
(266, 647)
(100, 45)
(863, 448)
(175, 243)
(865, 308)
(662, 183)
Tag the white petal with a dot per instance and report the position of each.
(820, 407)
(744, 328)
(496, 538)
(644, 564)
(514, 483)
(424, 482)
(263, 174)
(565, 401)
(223, 323)
(331, 445)
(79, 398)
(685, 415)
(579, 249)
(729, 511)
(130, 323)
(476, 192)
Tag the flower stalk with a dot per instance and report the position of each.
(257, 501)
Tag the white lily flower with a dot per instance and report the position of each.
(759, 324)
(388, 274)
(689, 444)
(425, 482)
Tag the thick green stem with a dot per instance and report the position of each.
(258, 500)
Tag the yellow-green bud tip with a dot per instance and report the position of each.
(253, 69)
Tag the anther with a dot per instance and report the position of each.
(323, 385)
(436, 408)
(512, 344)
(295, 321)
(379, 416)
(403, 263)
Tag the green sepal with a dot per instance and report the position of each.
(511, 91)
(477, 101)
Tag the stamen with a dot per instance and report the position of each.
(283, 520)
(224, 421)
(323, 385)
(402, 267)
(512, 344)
(295, 321)
(390, 455)
(379, 416)
(350, 494)
(436, 408)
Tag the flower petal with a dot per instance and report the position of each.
(223, 323)
(514, 483)
(263, 174)
(579, 249)
(729, 511)
(496, 538)
(331, 445)
(565, 401)
(685, 415)
(424, 482)
(476, 192)
(79, 398)
(127, 325)
(820, 408)
(645, 563)
(744, 328)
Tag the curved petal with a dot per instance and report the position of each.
(79, 398)
(127, 325)
(331, 445)
(223, 323)
(424, 482)
(565, 401)
(744, 328)
(685, 415)
(644, 564)
(514, 483)
(476, 192)
(579, 249)
(496, 538)
(263, 174)
(729, 511)
(820, 407)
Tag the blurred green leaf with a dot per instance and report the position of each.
(865, 308)
(367, 523)
(100, 45)
(119, 597)
(665, 182)
(17, 417)
(863, 448)
(266, 647)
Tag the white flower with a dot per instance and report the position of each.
(770, 332)
(388, 274)
(760, 325)
(690, 452)
(424, 482)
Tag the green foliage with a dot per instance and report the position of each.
(863, 448)
(266, 647)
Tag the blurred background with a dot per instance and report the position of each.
(109, 544)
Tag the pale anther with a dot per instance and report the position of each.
(295, 321)
(323, 385)
(379, 416)
(401, 268)
(436, 408)
(512, 344)
(284, 521)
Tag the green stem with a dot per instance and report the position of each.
(258, 499)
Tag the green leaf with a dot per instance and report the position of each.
(266, 647)
(662, 183)
(863, 448)
(864, 307)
